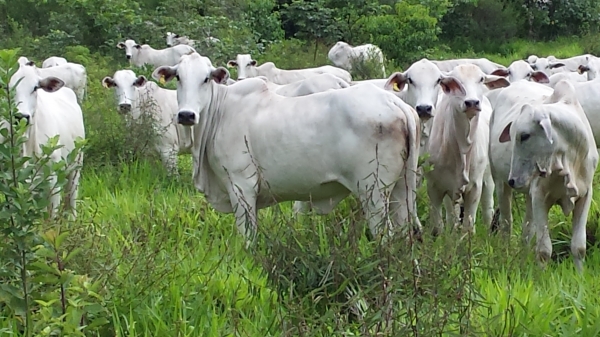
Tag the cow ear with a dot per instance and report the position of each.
(51, 84)
(495, 82)
(253, 63)
(120, 45)
(176, 36)
(501, 72)
(164, 74)
(505, 135)
(546, 125)
(108, 82)
(30, 63)
(582, 69)
(220, 75)
(231, 64)
(452, 86)
(396, 82)
(137, 46)
(140, 81)
(540, 77)
(555, 65)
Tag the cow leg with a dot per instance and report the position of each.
(403, 204)
(471, 201)
(55, 197)
(244, 207)
(528, 230)
(451, 211)
(435, 209)
(541, 207)
(487, 199)
(504, 194)
(169, 159)
(72, 189)
(578, 240)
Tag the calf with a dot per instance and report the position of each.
(458, 147)
(554, 157)
(344, 55)
(137, 96)
(50, 109)
(54, 61)
(521, 70)
(246, 67)
(175, 39)
(139, 55)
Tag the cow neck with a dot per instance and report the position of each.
(30, 147)
(464, 140)
(210, 120)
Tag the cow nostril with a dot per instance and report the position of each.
(186, 117)
(424, 110)
(125, 107)
(18, 118)
(511, 182)
(128, 57)
(471, 103)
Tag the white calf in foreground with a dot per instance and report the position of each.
(144, 54)
(246, 67)
(254, 148)
(344, 55)
(50, 109)
(311, 85)
(458, 148)
(555, 155)
(486, 65)
(73, 75)
(137, 96)
(54, 61)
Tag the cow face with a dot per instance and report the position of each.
(465, 85)
(125, 83)
(172, 39)
(131, 48)
(532, 145)
(521, 70)
(245, 66)
(592, 69)
(194, 88)
(545, 65)
(28, 83)
(422, 82)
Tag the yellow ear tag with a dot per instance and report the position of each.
(162, 80)
(104, 84)
(395, 87)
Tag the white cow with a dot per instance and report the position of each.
(344, 55)
(311, 85)
(254, 148)
(24, 61)
(54, 61)
(566, 75)
(547, 65)
(144, 54)
(73, 76)
(521, 70)
(486, 65)
(458, 148)
(50, 109)
(136, 96)
(554, 157)
(175, 39)
(592, 69)
(246, 67)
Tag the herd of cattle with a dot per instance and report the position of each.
(314, 136)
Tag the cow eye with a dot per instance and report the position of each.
(410, 81)
(35, 89)
(525, 136)
(177, 77)
(482, 79)
(206, 80)
(529, 75)
(439, 80)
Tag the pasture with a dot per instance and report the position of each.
(148, 256)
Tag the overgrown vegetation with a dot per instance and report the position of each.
(148, 257)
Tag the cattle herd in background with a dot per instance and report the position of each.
(314, 136)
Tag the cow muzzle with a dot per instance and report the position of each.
(128, 57)
(20, 116)
(125, 107)
(424, 111)
(186, 118)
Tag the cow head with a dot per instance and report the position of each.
(28, 83)
(131, 48)
(172, 39)
(532, 143)
(125, 83)
(245, 66)
(23, 61)
(592, 69)
(465, 85)
(545, 65)
(521, 70)
(194, 85)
